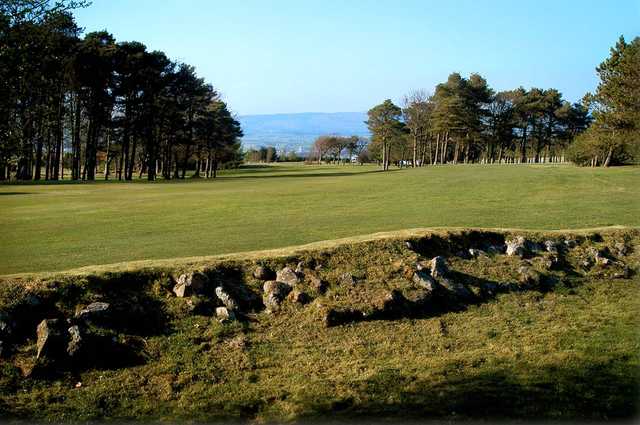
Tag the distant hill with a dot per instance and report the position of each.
(298, 131)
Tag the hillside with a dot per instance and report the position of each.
(298, 131)
(464, 324)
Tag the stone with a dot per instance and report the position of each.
(318, 284)
(455, 288)
(288, 276)
(300, 269)
(475, 253)
(75, 341)
(96, 309)
(274, 294)
(189, 284)
(621, 248)
(224, 314)
(263, 273)
(5, 325)
(599, 257)
(347, 279)
(570, 243)
(517, 246)
(551, 247)
(298, 297)
(438, 267)
(49, 337)
(529, 277)
(424, 280)
(624, 274)
(226, 299)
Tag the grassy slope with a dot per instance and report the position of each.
(56, 227)
(572, 353)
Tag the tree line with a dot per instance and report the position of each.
(92, 105)
(464, 120)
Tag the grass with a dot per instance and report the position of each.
(53, 227)
(571, 353)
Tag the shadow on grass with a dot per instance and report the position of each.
(16, 193)
(588, 390)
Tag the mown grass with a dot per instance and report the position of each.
(61, 226)
(570, 353)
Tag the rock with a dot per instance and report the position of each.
(300, 269)
(318, 284)
(409, 245)
(456, 289)
(517, 246)
(551, 247)
(298, 297)
(424, 280)
(226, 299)
(274, 294)
(98, 309)
(475, 253)
(624, 274)
(347, 279)
(288, 276)
(438, 267)
(75, 341)
(599, 257)
(621, 248)
(570, 243)
(528, 277)
(263, 273)
(224, 314)
(189, 284)
(50, 338)
(5, 325)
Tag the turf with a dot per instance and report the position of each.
(60, 226)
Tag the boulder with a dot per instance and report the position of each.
(300, 269)
(75, 341)
(226, 299)
(528, 277)
(93, 310)
(621, 248)
(551, 247)
(288, 276)
(274, 294)
(599, 257)
(189, 284)
(50, 338)
(424, 280)
(624, 274)
(298, 297)
(263, 273)
(517, 246)
(456, 289)
(439, 267)
(347, 279)
(475, 253)
(318, 284)
(224, 314)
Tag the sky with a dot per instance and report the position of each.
(287, 56)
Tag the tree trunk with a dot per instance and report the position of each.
(607, 161)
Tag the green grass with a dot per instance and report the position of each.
(60, 226)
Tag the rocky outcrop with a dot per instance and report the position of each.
(93, 311)
(226, 299)
(225, 315)
(517, 247)
(263, 273)
(288, 276)
(274, 292)
(189, 284)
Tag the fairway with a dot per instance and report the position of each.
(60, 226)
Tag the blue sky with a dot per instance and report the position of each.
(330, 56)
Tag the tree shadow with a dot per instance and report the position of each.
(589, 390)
